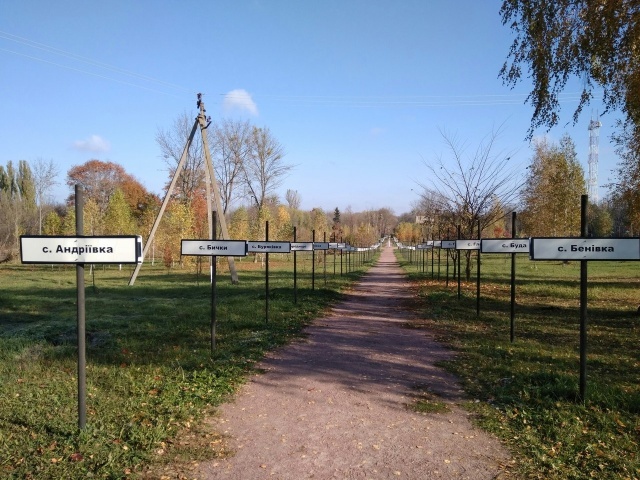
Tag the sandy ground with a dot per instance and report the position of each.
(335, 405)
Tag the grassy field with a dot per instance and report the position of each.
(527, 392)
(151, 376)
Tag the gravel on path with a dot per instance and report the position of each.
(336, 403)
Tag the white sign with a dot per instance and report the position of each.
(301, 246)
(504, 245)
(423, 246)
(467, 244)
(321, 246)
(437, 244)
(225, 248)
(341, 246)
(333, 245)
(585, 249)
(269, 247)
(105, 249)
(448, 244)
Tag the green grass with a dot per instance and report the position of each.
(151, 376)
(529, 389)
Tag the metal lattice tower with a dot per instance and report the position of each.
(594, 136)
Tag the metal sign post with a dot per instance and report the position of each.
(81, 311)
(79, 250)
(465, 245)
(214, 248)
(584, 249)
(508, 246)
(267, 247)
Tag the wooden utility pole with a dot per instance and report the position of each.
(203, 122)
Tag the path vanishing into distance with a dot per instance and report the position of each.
(334, 404)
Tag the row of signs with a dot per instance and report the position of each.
(128, 248)
(240, 248)
(548, 248)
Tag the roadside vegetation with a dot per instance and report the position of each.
(527, 392)
(151, 375)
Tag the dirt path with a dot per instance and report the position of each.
(335, 404)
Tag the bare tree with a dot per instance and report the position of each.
(293, 199)
(172, 142)
(230, 149)
(44, 178)
(264, 170)
(471, 187)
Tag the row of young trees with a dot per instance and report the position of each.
(478, 194)
(482, 191)
(118, 204)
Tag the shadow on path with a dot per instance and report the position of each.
(335, 405)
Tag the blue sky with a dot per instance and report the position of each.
(357, 91)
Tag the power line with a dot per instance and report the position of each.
(89, 61)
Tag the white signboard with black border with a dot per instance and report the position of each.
(448, 244)
(585, 249)
(269, 247)
(504, 245)
(223, 248)
(467, 244)
(301, 246)
(81, 249)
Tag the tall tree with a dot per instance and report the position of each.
(264, 169)
(118, 218)
(172, 142)
(552, 190)
(231, 146)
(467, 186)
(595, 41)
(44, 177)
(624, 191)
(293, 199)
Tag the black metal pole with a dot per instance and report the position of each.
(295, 269)
(478, 274)
(513, 281)
(458, 255)
(82, 360)
(432, 247)
(447, 277)
(584, 203)
(324, 239)
(439, 251)
(266, 274)
(214, 272)
(341, 258)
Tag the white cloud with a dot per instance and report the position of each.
(95, 143)
(239, 100)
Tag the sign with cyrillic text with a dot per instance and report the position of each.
(209, 248)
(467, 244)
(301, 246)
(504, 245)
(585, 249)
(104, 249)
(269, 247)
(448, 244)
